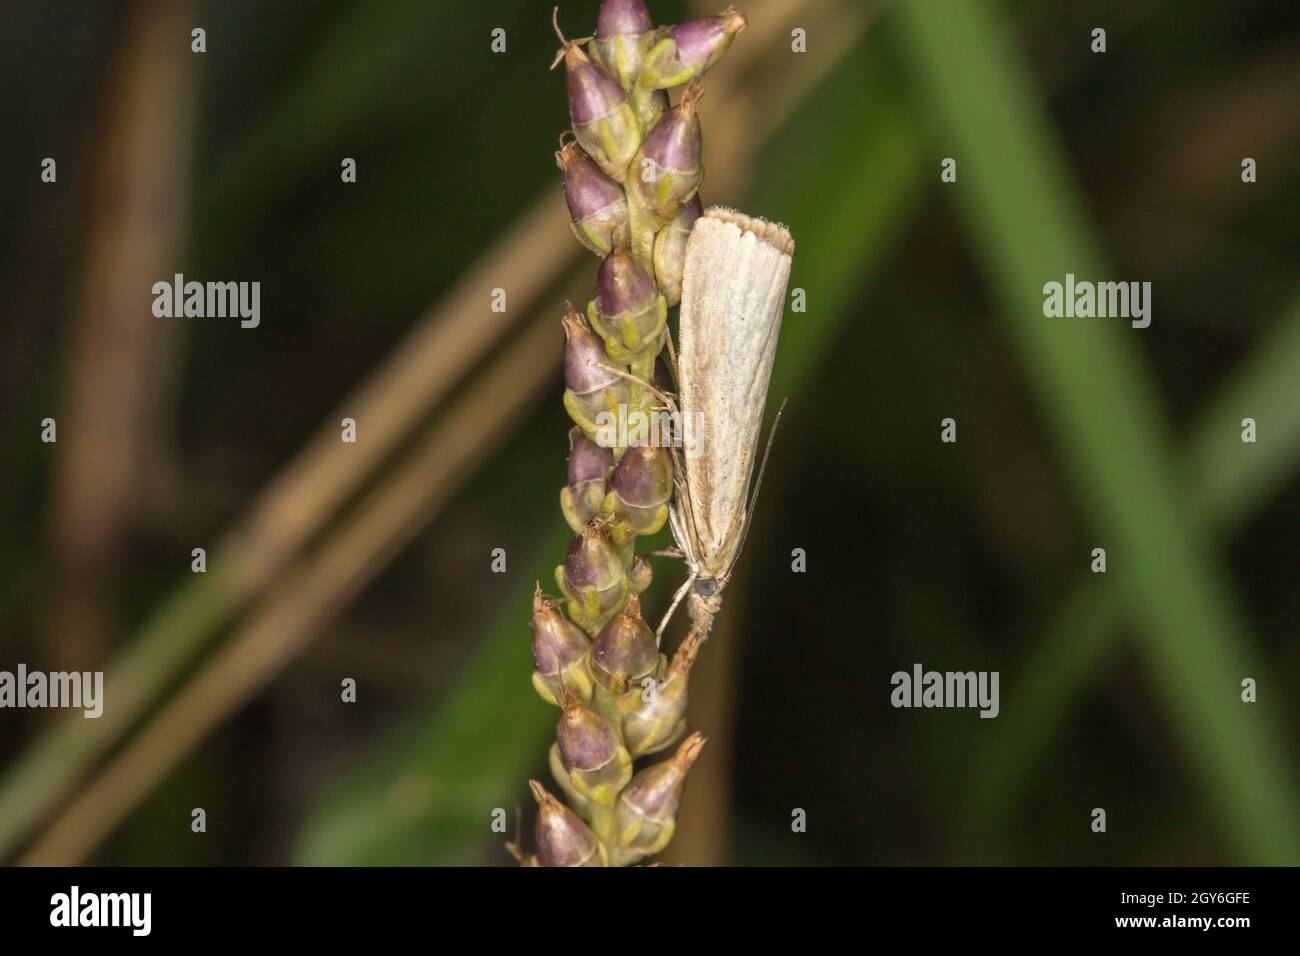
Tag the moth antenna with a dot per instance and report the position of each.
(555, 22)
(758, 485)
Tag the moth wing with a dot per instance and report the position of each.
(733, 296)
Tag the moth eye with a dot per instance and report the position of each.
(706, 587)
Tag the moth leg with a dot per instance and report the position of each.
(648, 386)
(677, 599)
(665, 553)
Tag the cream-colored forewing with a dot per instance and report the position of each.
(733, 295)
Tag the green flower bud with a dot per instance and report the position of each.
(559, 653)
(646, 815)
(685, 51)
(562, 838)
(628, 311)
(596, 763)
(640, 487)
(666, 171)
(591, 391)
(603, 119)
(670, 250)
(625, 651)
(597, 204)
(593, 580)
(660, 717)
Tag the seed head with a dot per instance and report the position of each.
(559, 652)
(562, 838)
(596, 203)
(595, 764)
(623, 17)
(647, 808)
(628, 311)
(592, 579)
(661, 719)
(590, 387)
(587, 741)
(625, 650)
(687, 50)
(641, 484)
(623, 33)
(584, 492)
(623, 286)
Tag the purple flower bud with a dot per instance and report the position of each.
(588, 462)
(670, 250)
(587, 741)
(562, 838)
(559, 652)
(642, 483)
(593, 93)
(661, 719)
(592, 561)
(603, 120)
(643, 477)
(625, 650)
(593, 580)
(623, 16)
(596, 203)
(584, 493)
(585, 360)
(628, 311)
(647, 807)
(674, 143)
(624, 30)
(656, 792)
(586, 189)
(667, 170)
(592, 389)
(690, 48)
(623, 286)
(557, 642)
(701, 42)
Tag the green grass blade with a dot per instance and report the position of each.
(1028, 227)
(1232, 487)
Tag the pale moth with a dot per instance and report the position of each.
(733, 296)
